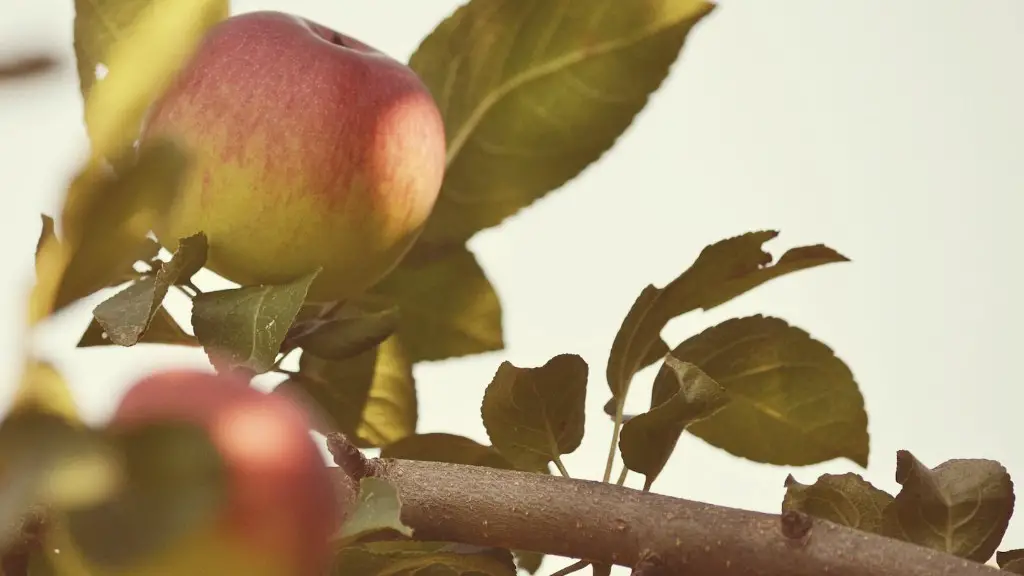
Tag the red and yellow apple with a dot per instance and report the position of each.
(310, 148)
(281, 508)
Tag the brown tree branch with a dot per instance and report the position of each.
(607, 524)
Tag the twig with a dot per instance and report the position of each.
(605, 524)
(574, 567)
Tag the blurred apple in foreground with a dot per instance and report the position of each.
(280, 510)
(311, 150)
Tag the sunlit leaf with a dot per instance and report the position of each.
(411, 558)
(962, 507)
(43, 387)
(370, 397)
(793, 402)
(534, 415)
(722, 271)
(377, 508)
(126, 316)
(448, 307)
(163, 329)
(845, 499)
(141, 63)
(534, 91)
(441, 447)
(647, 440)
(99, 24)
(175, 483)
(245, 327)
(347, 331)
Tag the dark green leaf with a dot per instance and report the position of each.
(845, 499)
(448, 307)
(126, 316)
(407, 558)
(175, 482)
(533, 91)
(48, 461)
(1011, 561)
(793, 402)
(647, 440)
(440, 447)
(529, 561)
(348, 331)
(370, 397)
(163, 329)
(377, 508)
(245, 327)
(534, 415)
(961, 506)
(722, 271)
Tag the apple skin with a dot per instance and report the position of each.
(282, 509)
(310, 149)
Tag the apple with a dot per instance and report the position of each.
(281, 509)
(310, 149)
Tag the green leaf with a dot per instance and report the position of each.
(126, 316)
(175, 482)
(440, 447)
(534, 415)
(793, 403)
(377, 508)
(50, 462)
(106, 219)
(722, 271)
(1011, 561)
(961, 507)
(845, 499)
(534, 91)
(245, 327)
(370, 397)
(98, 25)
(448, 307)
(347, 331)
(647, 440)
(406, 558)
(529, 561)
(163, 329)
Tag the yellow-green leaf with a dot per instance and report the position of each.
(533, 91)
(44, 388)
(99, 24)
(370, 397)
(163, 329)
(961, 507)
(446, 304)
(140, 66)
(722, 271)
(440, 447)
(534, 415)
(377, 508)
(410, 558)
(845, 499)
(792, 401)
(647, 440)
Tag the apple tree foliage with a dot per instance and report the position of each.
(532, 92)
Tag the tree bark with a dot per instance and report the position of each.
(606, 524)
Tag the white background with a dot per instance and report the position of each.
(890, 131)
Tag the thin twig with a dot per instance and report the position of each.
(574, 567)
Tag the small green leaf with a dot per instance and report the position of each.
(163, 329)
(377, 508)
(370, 397)
(722, 271)
(351, 329)
(647, 440)
(534, 91)
(126, 316)
(534, 415)
(245, 327)
(410, 558)
(793, 402)
(961, 507)
(845, 499)
(529, 561)
(448, 307)
(440, 447)
(1011, 561)
(175, 482)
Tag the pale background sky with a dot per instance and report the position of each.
(890, 131)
